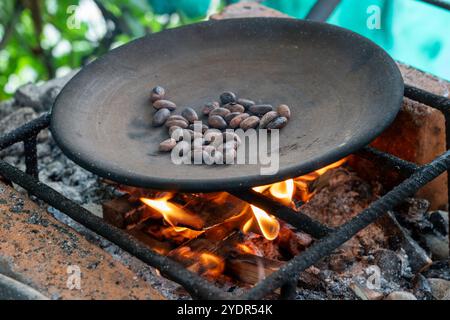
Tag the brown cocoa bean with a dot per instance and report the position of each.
(204, 127)
(160, 117)
(177, 122)
(209, 107)
(217, 122)
(223, 112)
(246, 103)
(260, 109)
(278, 123)
(284, 111)
(160, 104)
(249, 123)
(230, 116)
(167, 145)
(157, 93)
(236, 121)
(190, 115)
(227, 97)
(267, 118)
(172, 129)
(234, 107)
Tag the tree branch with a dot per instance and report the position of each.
(9, 26)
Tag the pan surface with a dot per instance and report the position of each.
(343, 91)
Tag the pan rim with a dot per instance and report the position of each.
(112, 172)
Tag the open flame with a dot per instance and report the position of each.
(172, 213)
(189, 225)
(284, 191)
(203, 263)
(268, 225)
(302, 182)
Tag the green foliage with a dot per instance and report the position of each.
(38, 44)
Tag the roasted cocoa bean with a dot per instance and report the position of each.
(236, 121)
(267, 118)
(284, 111)
(204, 127)
(167, 145)
(278, 123)
(230, 116)
(190, 115)
(249, 123)
(223, 112)
(160, 117)
(177, 122)
(160, 104)
(172, 129)
(182, 135)
(227, 97)
(209, 107)
(216, 121)
(246, 103)
(193, 134)
(234, 107)
(157, 93)
(260, 109)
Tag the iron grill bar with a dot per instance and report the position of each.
(322, 9)
(430, 99)
(197, 286)
(193, 283)
(405, 168)
(28, 130)
(297, 219)
(438, 3)
(328, 244)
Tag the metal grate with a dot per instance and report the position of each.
(285, 278)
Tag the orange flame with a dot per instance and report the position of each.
(302, 181)
(203, 263)
(268, 224)
(173, 214)
(283, 191)
(244, 248)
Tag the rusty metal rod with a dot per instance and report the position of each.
(193, 283)
(322, 10)
(31, 161)
(297, 219)
(327, 245)
(405, 168)
(28, 130)
(430, 99)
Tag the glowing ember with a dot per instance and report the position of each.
(244, 248)
(174, 232)
(204, 263)
(173, 214)
(211, 265)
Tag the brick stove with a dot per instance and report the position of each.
(36, 248)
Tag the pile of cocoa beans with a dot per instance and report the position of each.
(210, 141)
